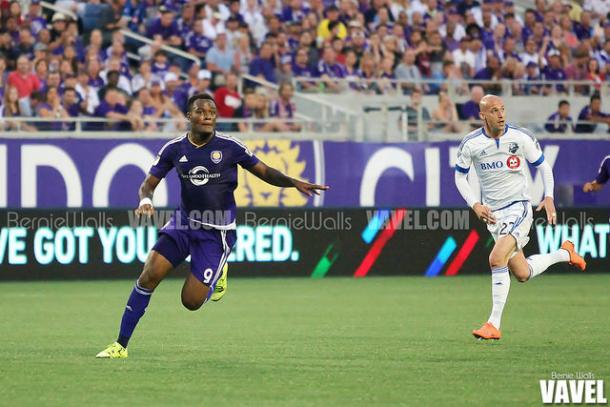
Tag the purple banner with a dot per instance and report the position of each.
(55, 173)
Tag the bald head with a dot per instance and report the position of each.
(488, 101)
(492, 114)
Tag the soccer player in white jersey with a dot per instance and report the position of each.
(498, 152)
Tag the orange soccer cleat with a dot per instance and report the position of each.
(487, 331)
(575, 258)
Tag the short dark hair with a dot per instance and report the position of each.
(595, 96)
(197, 96)
(563, 102)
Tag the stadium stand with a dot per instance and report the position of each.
(125, 65)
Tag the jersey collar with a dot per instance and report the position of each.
(497, 140)
(203, 145)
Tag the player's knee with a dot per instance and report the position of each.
(521, 278)
(191, 304)
(496, 260)
(149, 279)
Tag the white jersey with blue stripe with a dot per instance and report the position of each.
(500, 163)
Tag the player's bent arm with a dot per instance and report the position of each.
(461, 182)
(146, 193)
(483, 212)
(547, 179)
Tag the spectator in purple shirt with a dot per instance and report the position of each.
(328, 68)
(300, 69)
(470, 110)
(294, 12)
(160, 64)
(93, 71)
(560, 121)
(71, 104)
(165, 27)
(51, 108)
(602, 177)
(264, 65)
(533, 75)
(197, 43)
(53, 80)
(150, 113)
(591, 114)
(491, 72)
(34, 17)
(554, 72)
(175, 91)
(112, 108)
(186, 19)
(583, 28)
(284, 108)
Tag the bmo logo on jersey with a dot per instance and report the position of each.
(494, 165)
(513, 162)
(200, 175)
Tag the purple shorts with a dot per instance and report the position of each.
(209, 249)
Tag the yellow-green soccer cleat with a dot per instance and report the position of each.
(221, 284)
(114, 351)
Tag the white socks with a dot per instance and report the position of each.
(500, 285)
(540, 262)
(500, 280)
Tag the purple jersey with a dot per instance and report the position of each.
(208, 176)
(604, 171)
(332, 70)
(156, 28)
(200, 43)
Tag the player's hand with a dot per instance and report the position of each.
(549, 207)
(588, 187)
(591, 187)
(145, 210)
(309, 189)
(484, 213)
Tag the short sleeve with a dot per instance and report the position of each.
(464, 159)
(163, 163)
(532, 151)
(604, 172)
(243, 156)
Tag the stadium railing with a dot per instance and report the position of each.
(454, 87)
(315, 109)
(399, 130)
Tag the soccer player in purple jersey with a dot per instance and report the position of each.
(204, 225)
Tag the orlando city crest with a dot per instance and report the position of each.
(216, 156)
(513, 147)
(284, 155)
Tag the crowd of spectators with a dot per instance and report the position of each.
(54, 65)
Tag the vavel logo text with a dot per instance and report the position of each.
(581, 388)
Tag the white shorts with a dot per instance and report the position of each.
(515, 220)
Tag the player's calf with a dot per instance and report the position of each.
(194, 293)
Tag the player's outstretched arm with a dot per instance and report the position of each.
(276, 178)
(145, 193)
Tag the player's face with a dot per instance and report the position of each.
(494, 116)
(203, 116)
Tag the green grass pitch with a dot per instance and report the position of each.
(282, 342)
